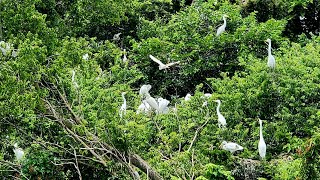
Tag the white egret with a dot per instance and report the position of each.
(4, 52)
(205, 103)
(73, 75)
(152, 102)
(222, 28)
(188, 97)
(116, 37)
(231, 146)
(144, 107)
(14, 53)
(6, 49)
(163, 106)
(123, 107)
(85, 56)
(73, 79)
(144, 90)
(221, 120)
(18, 152)
(271, 60)
(161, 65)
(175, 109)
(206, 96)
(124, 59)
(262, 145)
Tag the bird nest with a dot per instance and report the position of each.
(247, 169)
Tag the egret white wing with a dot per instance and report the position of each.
(173, 63)
(152, 102)
(156, 60)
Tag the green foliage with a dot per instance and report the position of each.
(190, 38)
(311, 153)
(288, 170)
(41, 99)
(213, 171)
(40, 165)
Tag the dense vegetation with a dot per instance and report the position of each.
(62, 75)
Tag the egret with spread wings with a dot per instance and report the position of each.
(161, 65)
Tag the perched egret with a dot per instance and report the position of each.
(6, 49)
(161, 65)
(262, 145)
(205, 96)
(163, 103)
(116, 37)
(205, 103)
(4, 52)
(124, 59)
(123, 107)
(18, 152)
(85, 56)
(73, 75)
(221, 120)
(144, 107)
(188, 97)
(222, 28)
(230, 146)
(152, 102)
(271, 60)
(73, 79)
(144, 90)
(14, 53)
(175, 109)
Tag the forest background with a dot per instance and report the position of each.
(70, 128)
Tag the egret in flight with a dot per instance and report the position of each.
(231, 146)
(18, 152)
(222, 28)
(262, 145)
(271, 60)
(123, 107)
(221, 120)
(161, 65)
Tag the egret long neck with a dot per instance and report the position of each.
(224, 21)
(269, 48)
(261, 136)
(124, 99)
(218, 107)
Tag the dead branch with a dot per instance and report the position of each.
(196, 133)
(137, 161)
(97, 144)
